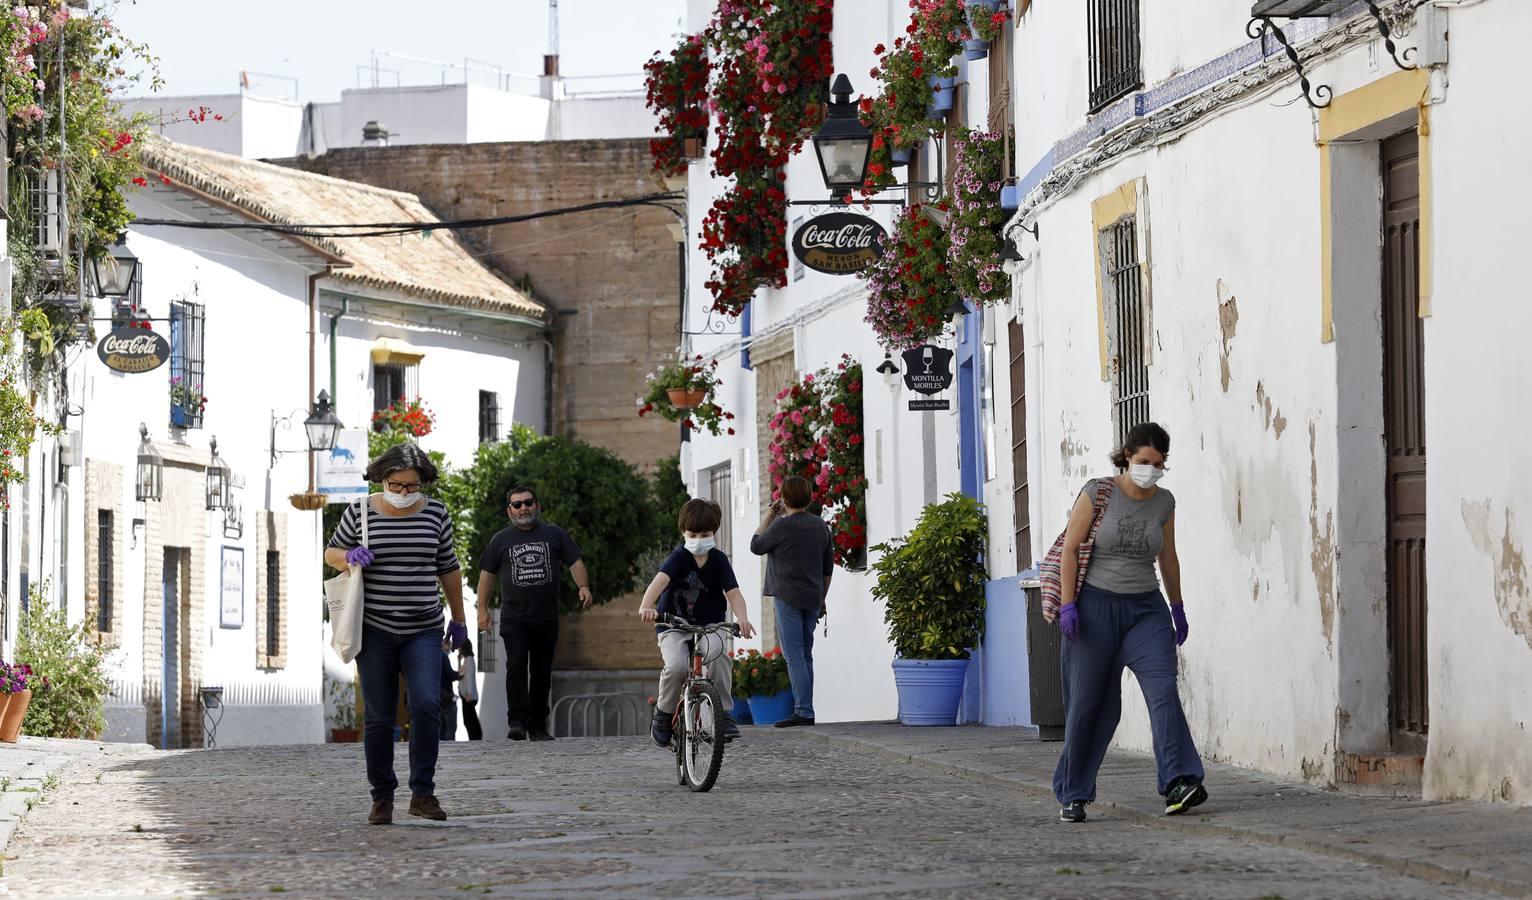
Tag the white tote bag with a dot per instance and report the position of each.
(343, 595)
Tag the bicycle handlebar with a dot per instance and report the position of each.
(681, 624)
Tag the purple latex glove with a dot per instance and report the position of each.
(1069, 622)
(359, 556)
(457, 634)
(1178, 615)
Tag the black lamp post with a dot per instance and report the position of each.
(322, 425)
(217, 480)
(149, 484)
(843, 144)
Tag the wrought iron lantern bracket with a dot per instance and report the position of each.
(1317, 96)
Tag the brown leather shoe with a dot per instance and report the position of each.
(425, 806)
(382, 813)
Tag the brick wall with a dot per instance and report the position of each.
(612, 275)
(103, 492)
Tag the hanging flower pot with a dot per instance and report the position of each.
(308, 502)
(682, 391)
(901, 155)
(985, 20)
(681, 398)
(942, 96)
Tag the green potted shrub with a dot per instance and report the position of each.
(68, 677)
(932, 584)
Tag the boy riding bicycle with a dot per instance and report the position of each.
(696, 583)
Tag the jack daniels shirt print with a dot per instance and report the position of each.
(531, 567)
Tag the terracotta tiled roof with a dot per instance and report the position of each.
(432, 265)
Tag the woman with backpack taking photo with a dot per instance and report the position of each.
(1113, 615)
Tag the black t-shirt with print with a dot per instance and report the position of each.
(531, 567)
(695, 593)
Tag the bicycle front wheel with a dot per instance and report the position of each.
(702, 750)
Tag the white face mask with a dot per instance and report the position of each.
(699, 546)
(1145, 476)
(402, 501)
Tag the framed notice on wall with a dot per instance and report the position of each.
(231, 613)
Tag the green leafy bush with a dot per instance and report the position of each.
(932, 581)
(601, 500)
(72, 703)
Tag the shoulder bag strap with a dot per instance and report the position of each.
(1104, 488)
(361, 510)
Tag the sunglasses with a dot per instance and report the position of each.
(518, 504)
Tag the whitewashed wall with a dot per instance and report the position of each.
(1233, 212)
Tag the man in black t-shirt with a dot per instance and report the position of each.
(529, 558)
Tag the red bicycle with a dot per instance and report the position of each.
(697, 726)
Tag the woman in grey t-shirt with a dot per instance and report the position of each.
(1120, 620)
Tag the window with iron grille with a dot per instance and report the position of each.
(489, 417)
(43, 210)
(1125, 327)
(104, 599)
(187, 332)
(273, 603)
(392, 382)
(1115, 67)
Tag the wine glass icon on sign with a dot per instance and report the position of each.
(927, 356)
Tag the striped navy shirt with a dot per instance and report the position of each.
(410, 553)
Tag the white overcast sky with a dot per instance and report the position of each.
(203, 44)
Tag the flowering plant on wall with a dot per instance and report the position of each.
(771, 63)
(675, 87)
(973, 229)
(187, 396)
(842, 480)
(900, 112)
(987, 22)
(795, 447)
(682, 391)
(909, 286)
(409, 418)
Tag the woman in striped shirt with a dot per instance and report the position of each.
(408, 555)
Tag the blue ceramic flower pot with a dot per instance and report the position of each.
(742, 711)
(942, 92)
(1010, 198)
(773, 709)
(975, 48)
(929, 690)
(900, 156)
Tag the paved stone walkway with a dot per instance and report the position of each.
(791, 815)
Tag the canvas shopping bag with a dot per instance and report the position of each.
(1051, 572)
(343, 596)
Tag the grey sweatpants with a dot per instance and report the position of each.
(1118, 631)
(676, 652)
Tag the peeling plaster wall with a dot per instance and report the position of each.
(1247, 391)
(1276, 436)
(1479, 493)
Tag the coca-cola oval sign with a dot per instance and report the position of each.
(839, 243)
(133, 350)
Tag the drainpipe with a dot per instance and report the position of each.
(345, 307)
(313, 328)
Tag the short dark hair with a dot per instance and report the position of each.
(1144, 434)
(400, 458)
(797, 492)
(698, 516)
(519, 489)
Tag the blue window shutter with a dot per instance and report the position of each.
(744, 334)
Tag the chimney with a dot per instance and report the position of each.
(374, 134)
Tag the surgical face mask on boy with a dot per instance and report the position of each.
(700, 545)
(1145, 476)
(402, 501)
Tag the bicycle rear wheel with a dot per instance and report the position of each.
(703, 747)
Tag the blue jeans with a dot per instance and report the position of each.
(795, 628)
(419, 657)
(1120, 631)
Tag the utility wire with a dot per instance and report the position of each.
(386, 229)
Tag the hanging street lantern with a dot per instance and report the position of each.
(116, 273)
(217, 480)
(150, 481)
(843, 144)
(322, 425)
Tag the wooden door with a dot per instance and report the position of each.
(1404, 437)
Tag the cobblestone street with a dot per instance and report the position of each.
(790, 816)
